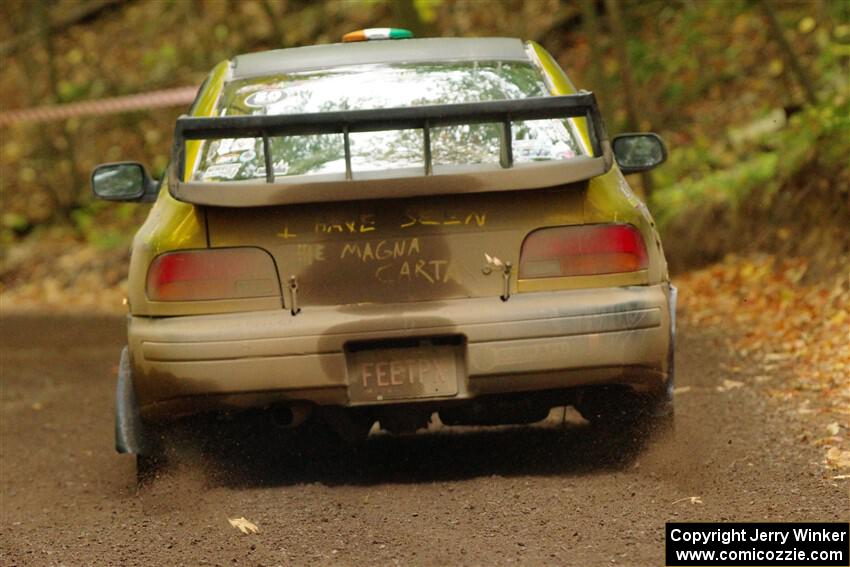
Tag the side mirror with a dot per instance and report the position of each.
(123, 181)
(638, 152)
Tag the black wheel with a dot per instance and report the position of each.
(619, 407)
(148, 467)
(349, 426)
(645, 413)
(152, 458)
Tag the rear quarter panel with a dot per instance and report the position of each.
(608, 199)
(174, 225)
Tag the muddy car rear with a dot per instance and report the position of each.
(388, 231)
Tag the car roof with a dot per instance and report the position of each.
(333, 55)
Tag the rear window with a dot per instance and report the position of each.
(383, 86)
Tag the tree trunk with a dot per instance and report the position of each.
(74, 16)
(407, 16)
(274, 21)
(797, 69)
(596, 75)
(615, 21)
(66, 198)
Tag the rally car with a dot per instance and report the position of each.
(394, 232)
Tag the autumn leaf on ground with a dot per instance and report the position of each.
(838, 458)
(729, 385)
(243, 525)
(790, 334)
(692, 499)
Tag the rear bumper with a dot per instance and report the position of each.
(534, 341)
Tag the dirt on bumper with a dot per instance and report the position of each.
(534, 341)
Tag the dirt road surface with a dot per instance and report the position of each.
(559, 494)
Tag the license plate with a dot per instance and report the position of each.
(402, 373)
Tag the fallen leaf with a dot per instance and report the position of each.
(729, 385)
(792, 335)
(243, 525)
(692, 499)
(833, 428)
(681, 390)
(838, 458)
(776, 357)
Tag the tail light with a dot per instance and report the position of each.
(582, 250)
(224, 273)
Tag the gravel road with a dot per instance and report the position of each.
(556, 494)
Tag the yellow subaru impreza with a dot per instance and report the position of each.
(390, 231)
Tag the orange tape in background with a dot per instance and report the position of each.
(181, 96)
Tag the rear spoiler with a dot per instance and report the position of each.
(402, 182)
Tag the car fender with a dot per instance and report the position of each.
(671, 353)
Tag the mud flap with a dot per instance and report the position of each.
(129, 433)
(671, 357)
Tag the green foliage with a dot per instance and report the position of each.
(427, 10)
(15, 222)
(725, 186)
(696, 180)
(160, 63)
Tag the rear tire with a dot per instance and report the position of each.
(348, 425)
(148, 467)
(151, 460)
(617, 407)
